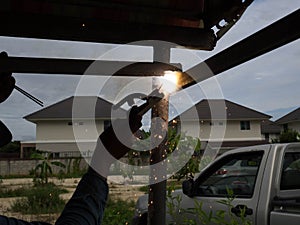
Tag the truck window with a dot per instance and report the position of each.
(236, 172)
(290, 174)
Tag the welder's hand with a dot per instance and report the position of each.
(7, 82)
(115, 142)
(118, 138)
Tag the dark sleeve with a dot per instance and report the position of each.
(12, 221)
(87, 204)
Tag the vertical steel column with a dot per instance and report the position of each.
(159, 131)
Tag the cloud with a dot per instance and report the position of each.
(268, 82)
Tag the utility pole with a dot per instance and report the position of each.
(158, 154)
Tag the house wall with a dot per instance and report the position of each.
(58, 136)
(61, 130)
(220, 130)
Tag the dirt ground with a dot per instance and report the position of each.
(119, 189)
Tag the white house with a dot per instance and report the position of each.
(70, 125)
(290, 120)
(65, 127)
(224, 124)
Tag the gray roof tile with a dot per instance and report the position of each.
(290, 117)
(270, 127)
(208, 109)
(85, 107)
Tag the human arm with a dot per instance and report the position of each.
(86, 207)
(87, 204)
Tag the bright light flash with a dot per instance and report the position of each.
(170, 80)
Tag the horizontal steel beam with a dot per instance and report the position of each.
(83, 67)
(271, 37)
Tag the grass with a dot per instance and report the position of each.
(8, 193)
(15, 176)
(44, 199)
(41, 199)
(118, 212)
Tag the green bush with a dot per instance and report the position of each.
(144, 189)
(12, 147)
(289, 136)
(118, 212)
(40, 199)
(44, 169)
(171, 186)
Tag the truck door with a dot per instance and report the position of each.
(286, 203)
(239, 174)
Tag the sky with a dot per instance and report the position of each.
(268, 84)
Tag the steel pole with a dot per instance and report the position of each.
(158, 154)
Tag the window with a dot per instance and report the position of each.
(75, 124)
(245, 125)
(107, 123)
(290, 178)
(236, 172)
(216, 123)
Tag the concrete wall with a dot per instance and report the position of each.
(23, 167)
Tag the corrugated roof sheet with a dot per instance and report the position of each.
(188, 23)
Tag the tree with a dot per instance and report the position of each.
(44, 169)
(289, 135)
(12, 147)
(187, 144)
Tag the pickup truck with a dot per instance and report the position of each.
(264, 179)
